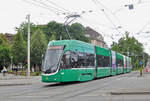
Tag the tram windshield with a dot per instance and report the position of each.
(50, 63)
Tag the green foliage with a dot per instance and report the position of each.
(3, 40)
(23, 28)
(4, 51)
(4, 56)
(52, 38)
(54, 30)
(78, 32)
(38, 47)
(19, 49)
(57, 31)
(130, 46)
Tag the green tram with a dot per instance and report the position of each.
(73, 60)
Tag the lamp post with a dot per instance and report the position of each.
(11, 62)
(28, 17)
(4, 63)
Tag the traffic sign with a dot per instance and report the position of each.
(141, 62)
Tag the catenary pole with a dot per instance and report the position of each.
(28, 58)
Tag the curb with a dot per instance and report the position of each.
(19, 84)
(131, 93)
(13, 78)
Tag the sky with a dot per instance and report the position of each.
(111, 18)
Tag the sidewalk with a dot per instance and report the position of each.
(135, 85)
(12, 80)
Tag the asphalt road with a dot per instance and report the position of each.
(126, 87)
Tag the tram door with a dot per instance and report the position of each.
(95, 58)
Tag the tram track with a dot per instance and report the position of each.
(63, 90)
(85, 88)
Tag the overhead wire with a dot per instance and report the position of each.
(101, 32)
(103, 10)
(108, 11)
(57, 5)
(49, 6)
(35, 4)
(141, 30)
(46, 6)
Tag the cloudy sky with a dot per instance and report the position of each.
(111, 18)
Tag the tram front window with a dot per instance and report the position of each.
(51, 60)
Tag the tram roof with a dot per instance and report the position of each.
(74, 45)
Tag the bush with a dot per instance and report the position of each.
(35, 73)
(24, 73)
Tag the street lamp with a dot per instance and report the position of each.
(4, 62)
(28, 57)
(11, 62)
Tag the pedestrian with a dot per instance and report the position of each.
(141, 71)
(16, 70)
(4, 71)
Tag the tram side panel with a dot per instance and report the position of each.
(119, 63)
(103, 62)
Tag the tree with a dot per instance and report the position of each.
(130, 46)
(38, 47)
(4, 56)
(19, 50)
(4, 52)
(78, 32)
(52, 38)
(3, 40)
(56, 29)
(23, 28)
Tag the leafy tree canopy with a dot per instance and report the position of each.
(38, 47)
(4, 51)
(19, 49)
(23, 28)
(57, 30)
(130, 46)
(78, 32)
(3, 40)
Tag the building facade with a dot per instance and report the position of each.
(96, 38)
(9, 37)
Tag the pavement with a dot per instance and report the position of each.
(142, 83)
(125, 87)
(14, 80)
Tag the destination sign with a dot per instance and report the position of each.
(55, 47)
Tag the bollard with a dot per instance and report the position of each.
(141, 70)
(146, 70)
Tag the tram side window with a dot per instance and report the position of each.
(82, 60)
(119, 63)
(85, 60)
(74, 60)
(103, 61)
(107, 61)
(89, 60)
(130, 64)
(100, 59)
(77, 60)
(65, 62)
(126, 63)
